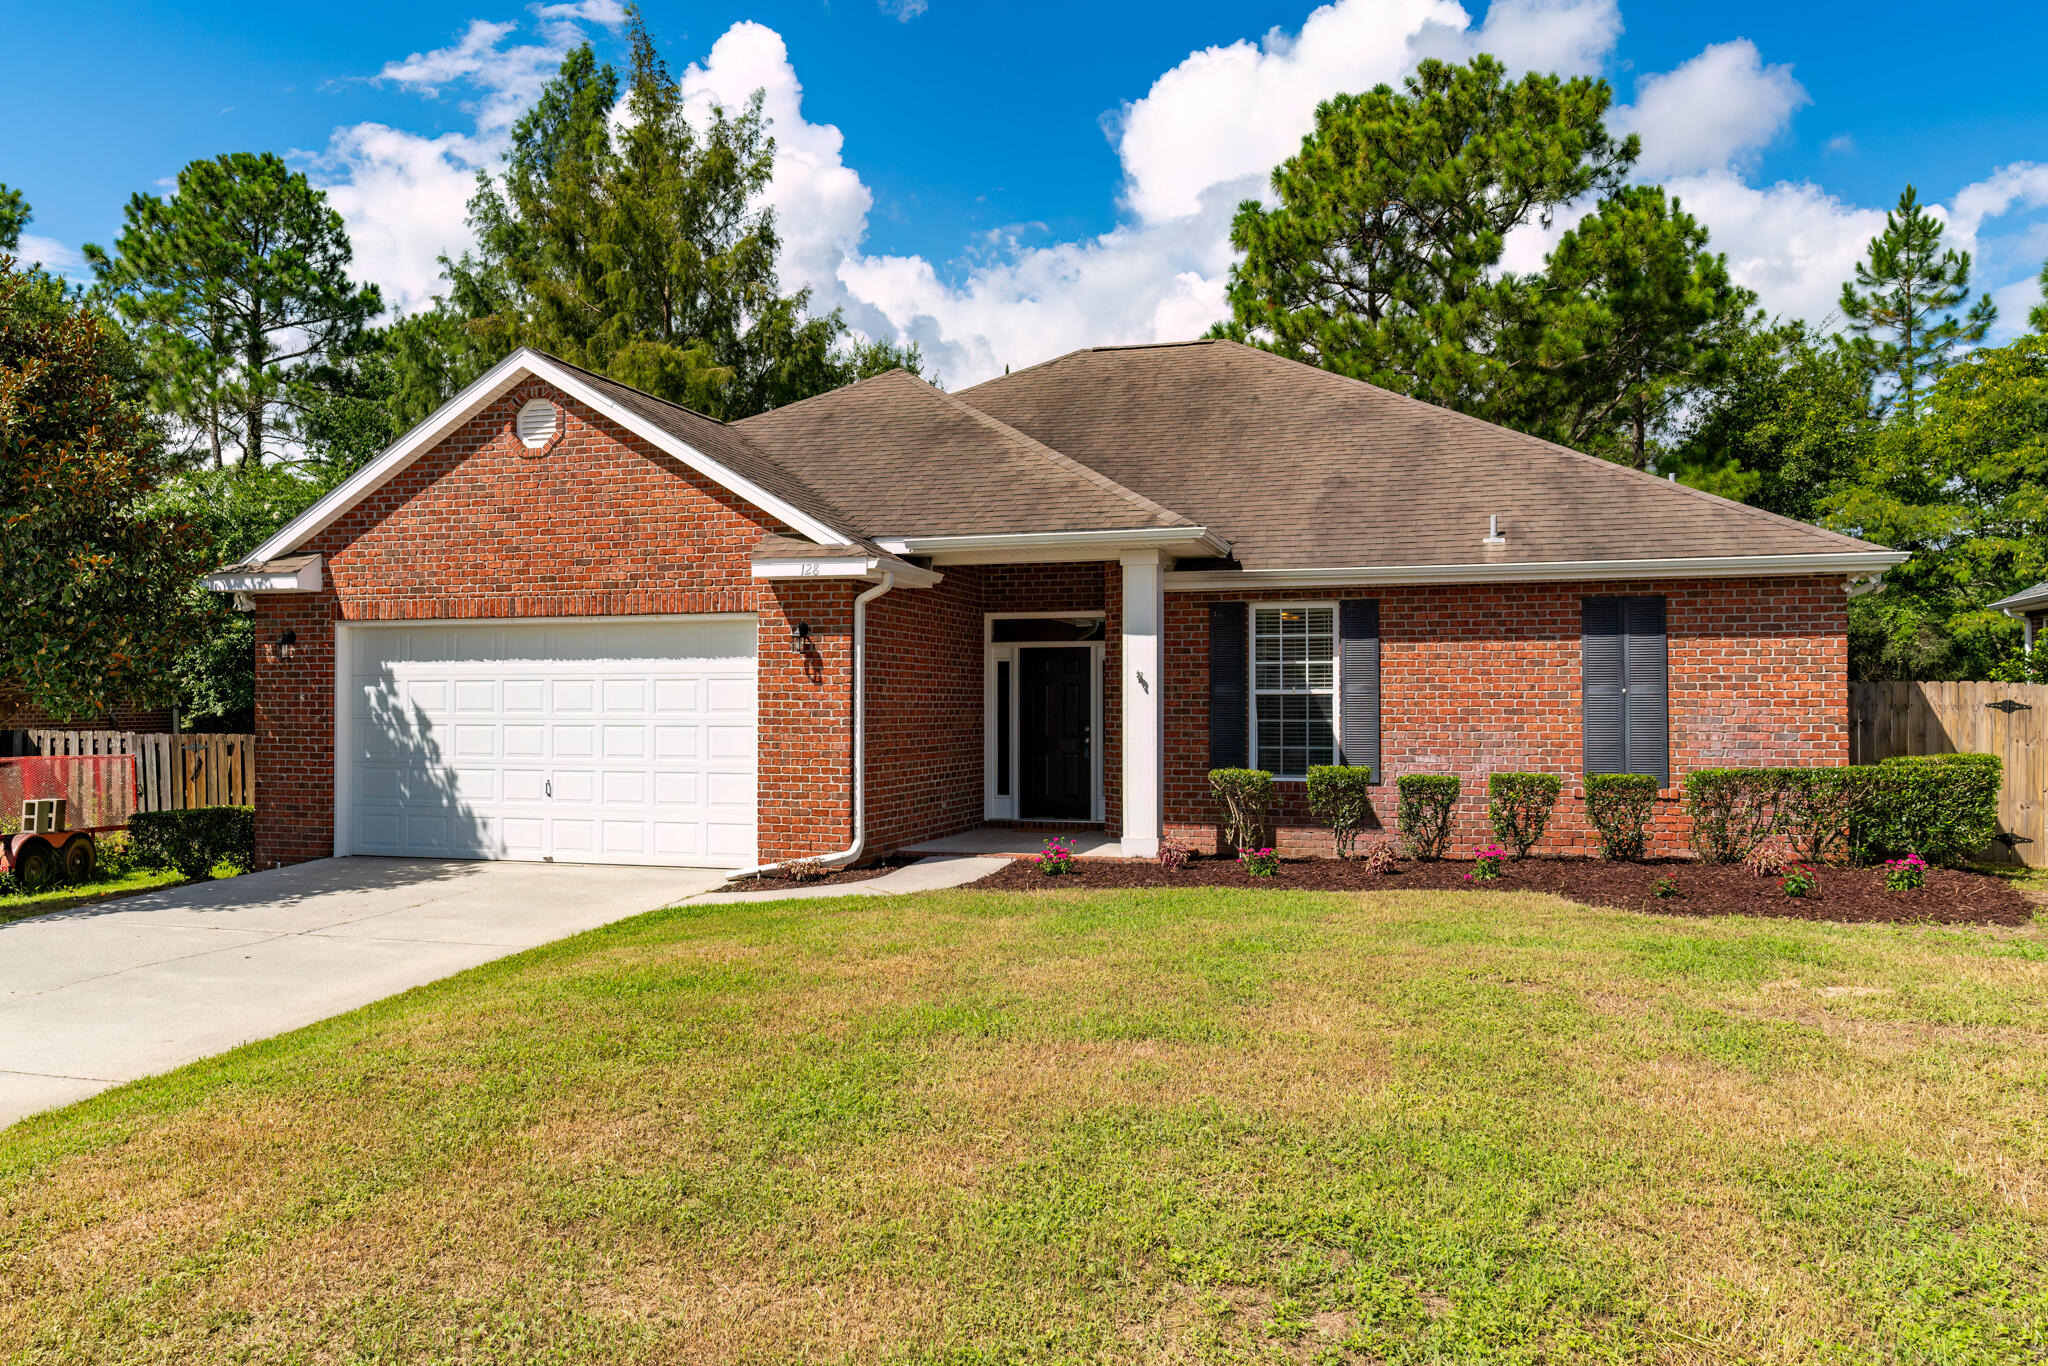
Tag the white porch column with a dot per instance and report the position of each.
(1144, 770)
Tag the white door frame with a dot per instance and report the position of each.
(344, 708)
(998, 808)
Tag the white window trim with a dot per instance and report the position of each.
(1251, 681)
(1004, 808)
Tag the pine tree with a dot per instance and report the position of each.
(641, 251)
(14, 216)
(1901, 305)
(236, 284)
(2037, 316)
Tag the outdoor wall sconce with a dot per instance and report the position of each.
(288, 645)
(799, 631)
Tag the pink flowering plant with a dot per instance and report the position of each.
(1055, 859)
(1486, 861)
(1259, 862)
(1800, 880)
(1906, 874)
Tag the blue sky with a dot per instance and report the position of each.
(1003, 182)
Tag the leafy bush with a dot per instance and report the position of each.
(1733, 810)
(117, 854)
(1379, 857)
(1943, 807)
(1664, 886)
(194, 841)
(1519, 806)
(1246, 796)
(1818, 806)
(1173, 855)
(1340, 796)
(1799, 880)
(1427, 801)
(1259, 862)
(1618, 806)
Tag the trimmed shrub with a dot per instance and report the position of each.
(1340, 796)
(1618, 806)
(193, 841)
(1943, 807)
(1519, 806)
(1733, 810)
(1427, 800)
(1246, 796)
(1817, 806)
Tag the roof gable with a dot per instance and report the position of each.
(708, 446)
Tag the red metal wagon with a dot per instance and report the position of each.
(51, 809)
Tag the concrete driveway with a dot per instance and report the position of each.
(103, 994)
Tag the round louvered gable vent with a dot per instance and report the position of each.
(538, 423)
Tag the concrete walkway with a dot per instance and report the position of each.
(106, 993)
(925, 875)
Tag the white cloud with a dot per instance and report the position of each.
(610, 13)
(404, 198)
(1792, 242)
(506, 77)
(52, 255)
(903, 11)
(1716, 110)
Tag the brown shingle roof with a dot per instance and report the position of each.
(905, 459)
(1301, 468)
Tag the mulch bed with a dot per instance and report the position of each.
(863, 873)
(1950, 897)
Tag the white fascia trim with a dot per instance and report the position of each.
(1706, 566)
(852, 567)
(305, 579)
(1077, 545)
(486, 390)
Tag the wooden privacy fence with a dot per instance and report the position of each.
(172, 772)
(2006, 719)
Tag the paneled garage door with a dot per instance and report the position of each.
(576, 742)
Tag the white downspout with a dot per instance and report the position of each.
(860, 742)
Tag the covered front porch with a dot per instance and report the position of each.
(996, 841)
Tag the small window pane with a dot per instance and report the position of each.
(1294, 688)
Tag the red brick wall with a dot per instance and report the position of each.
(925, 666)
(601, 524)
(18, 713)
(1485, 679)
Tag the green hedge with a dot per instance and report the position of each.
(1818, 807)
(1619, 805)
(1519, 807)
(1246, 796)
(1427, 801)
(1340, 796)
(1733, 810)
(1943, 807)
(192, 842)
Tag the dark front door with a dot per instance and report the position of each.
(1055, 718)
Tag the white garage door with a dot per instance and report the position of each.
(577, 742)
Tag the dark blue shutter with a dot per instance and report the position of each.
(1625, 706)
(1358, 674)
(1649, 713)
(1230, 714)
(1602, 717)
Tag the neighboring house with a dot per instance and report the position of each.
(565, 620)
(18, 713)
(2030, 605)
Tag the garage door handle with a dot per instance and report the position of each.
(549, 787)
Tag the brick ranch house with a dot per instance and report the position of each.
(565, 620)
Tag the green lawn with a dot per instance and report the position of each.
(18, 905)
(1066, 1127)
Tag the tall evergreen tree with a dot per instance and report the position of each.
(14, 216)
(235, 284)
(1381, 259)
(1901, 305)
(640, 250)
(1631, 317)
(2037, 316)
